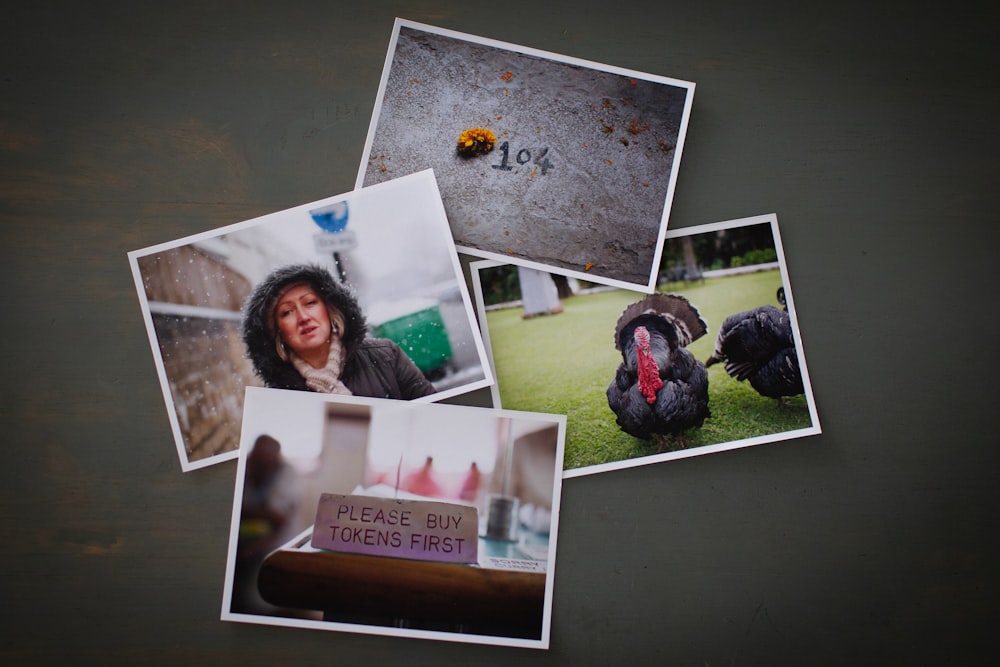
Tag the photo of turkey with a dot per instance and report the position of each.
(660, 390)
(758, 346)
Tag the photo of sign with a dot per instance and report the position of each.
(414, 529)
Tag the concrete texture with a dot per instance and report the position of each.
(580, 174)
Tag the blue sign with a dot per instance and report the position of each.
(332, 217)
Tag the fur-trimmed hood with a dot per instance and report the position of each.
(258, 325)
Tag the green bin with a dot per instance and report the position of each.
(422, 336)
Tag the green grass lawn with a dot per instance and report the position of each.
(563, 364)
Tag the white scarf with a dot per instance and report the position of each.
(324, 380)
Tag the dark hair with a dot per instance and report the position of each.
(258, 325)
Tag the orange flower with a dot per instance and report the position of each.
(476, 141)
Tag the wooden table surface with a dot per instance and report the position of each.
(424, 594)
(871, 130)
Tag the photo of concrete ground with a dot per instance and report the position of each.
(581, 173)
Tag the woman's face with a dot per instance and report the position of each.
(303, 321)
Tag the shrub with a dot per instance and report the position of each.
(753, 257)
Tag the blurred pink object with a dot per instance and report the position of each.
(422, 481)
(470, 487)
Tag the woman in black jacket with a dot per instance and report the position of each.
(303, 330)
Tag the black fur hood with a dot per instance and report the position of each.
(258, 325)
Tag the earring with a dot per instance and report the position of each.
(279, 346)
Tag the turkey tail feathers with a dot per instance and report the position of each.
(673, 308)
(740, 371)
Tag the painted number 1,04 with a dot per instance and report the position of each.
(523, 156)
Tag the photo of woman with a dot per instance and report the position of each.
(305, 331)
(356, 294)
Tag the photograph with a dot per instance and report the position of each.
(711, 361)
(357, 294)
(543, 160)
(375, 516)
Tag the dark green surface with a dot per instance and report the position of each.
(871, 132)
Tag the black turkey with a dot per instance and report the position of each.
(758, 346)
(660, 390)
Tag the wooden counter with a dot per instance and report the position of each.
(408, 593)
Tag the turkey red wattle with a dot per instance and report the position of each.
(649, 374)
